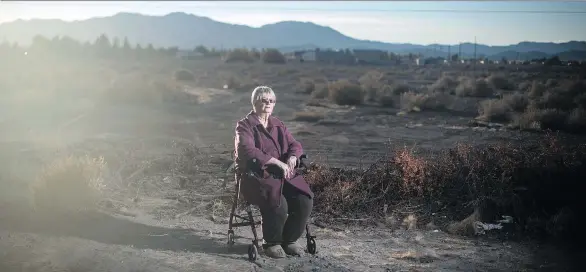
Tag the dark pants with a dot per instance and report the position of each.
(277, 227)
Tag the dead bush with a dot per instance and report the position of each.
(344, 92)
(553, 119)
(308, 116)
(499, 81)
(307, 85)
(517, 102)
(461, 178)
(411, 101)
(577, 121)
(273, 56)
(373, 82)
(567, 96)
(399, 89)
(386, 96)
(445, 84)
(184, 75)
(321, 91)
(495, 110)
(474, 88)
(536, 90)
(524, 86)
(550, 83)
(69, 184)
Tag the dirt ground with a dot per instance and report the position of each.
(150, 223)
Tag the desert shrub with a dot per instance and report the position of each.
(445, 84)
(474, 88)
(517, 102)
(372, 82)
(69, 184)
(307, 85)
(344, 92)
(320, 91)
(499, 81)
(399, 89)
(553, 119)
(566, 96)
(536, 90)
(386, 97)
(437, 101)
(550, 83)
(273, 56)
(411, 101)
(524, 86)
(576, 121)
(184, 75)
(494, 110)
(533, 183)
(239, 55)
(307, 116)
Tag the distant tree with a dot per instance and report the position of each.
(273, 56)
(202, 50)
(553, 61)
(116, 43)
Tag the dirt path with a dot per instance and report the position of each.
(103, 242)
(141, 240)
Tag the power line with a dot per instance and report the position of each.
(411, 10)
(204, 7)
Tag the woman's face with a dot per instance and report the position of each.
(265, 105)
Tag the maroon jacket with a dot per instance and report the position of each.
(255, 146)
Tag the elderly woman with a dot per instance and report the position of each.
(266, 156)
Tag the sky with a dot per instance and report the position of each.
(419, 22)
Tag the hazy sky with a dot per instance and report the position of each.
(406, 22)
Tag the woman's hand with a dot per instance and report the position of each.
(292, 162)
(287, 171)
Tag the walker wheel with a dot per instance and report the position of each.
(252, 253)
(230, 237)
(311, 246)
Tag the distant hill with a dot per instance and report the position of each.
(186, 31)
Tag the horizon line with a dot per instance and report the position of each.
(259, 27)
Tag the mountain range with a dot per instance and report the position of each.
(187, 31)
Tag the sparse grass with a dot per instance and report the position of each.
(69, 184)
(308, 116)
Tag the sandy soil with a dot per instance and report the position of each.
(150, 226)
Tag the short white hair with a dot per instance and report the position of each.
(261, 92)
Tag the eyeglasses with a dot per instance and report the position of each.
(268, 101)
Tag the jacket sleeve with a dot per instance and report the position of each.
(245, 148)
(295, 148)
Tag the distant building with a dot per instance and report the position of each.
(188, 54)
(371, 56)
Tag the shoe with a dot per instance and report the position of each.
(275, 251)
(293, 249)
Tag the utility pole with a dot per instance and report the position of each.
(474, 66)
(460, 51)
